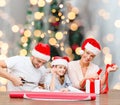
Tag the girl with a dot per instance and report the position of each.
(58, 79)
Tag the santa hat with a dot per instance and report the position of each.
(42, 51)
(57, 60)
(91, 45)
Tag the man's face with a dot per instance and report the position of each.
(37, 62)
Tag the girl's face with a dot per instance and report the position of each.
(61, 70)
(87, 56)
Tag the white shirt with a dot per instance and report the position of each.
(75, 72)
(58, 85)
(21, 66)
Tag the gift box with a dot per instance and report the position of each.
(93, 86)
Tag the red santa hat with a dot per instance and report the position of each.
(91, 45)
(42, 51)
(57, 60)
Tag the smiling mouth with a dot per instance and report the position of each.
(37, 66)
(62, 73)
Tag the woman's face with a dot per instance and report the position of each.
(37, 62)
(87, 56)
(61, 70)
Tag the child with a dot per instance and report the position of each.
(57, 79)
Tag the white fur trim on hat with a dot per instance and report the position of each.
(81, 52)
(91, 48)
(40, 55)
(59, 62)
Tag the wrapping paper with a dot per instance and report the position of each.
(70, 96)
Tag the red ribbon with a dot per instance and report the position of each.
(106, 88)
(99, 71)
(92, 82)
(92, 85)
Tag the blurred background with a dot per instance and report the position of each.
(63, 24)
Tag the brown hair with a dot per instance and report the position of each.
(61, 79)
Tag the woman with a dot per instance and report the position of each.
(81, 70)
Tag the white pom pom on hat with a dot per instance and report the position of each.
(42, 51)
(91, 45)
(57, 60)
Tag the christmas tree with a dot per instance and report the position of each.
(55, 22)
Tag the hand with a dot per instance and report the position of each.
(16, 81)
(53, 70)
(94, 76)
(41, 86)
(112, 68)
(64, 90)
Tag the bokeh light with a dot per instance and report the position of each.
(71, 15)
(15, 28)
(52, 41)
(59, 35)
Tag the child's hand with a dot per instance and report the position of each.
(53, 70)
(64, 90)
(41, 86)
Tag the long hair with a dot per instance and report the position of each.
(62, 79)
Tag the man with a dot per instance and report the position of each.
(28, 68)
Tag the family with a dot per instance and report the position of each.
(25, 73)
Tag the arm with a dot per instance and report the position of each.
(52, 83)
(109, 68)
(50, 80)
(3, 73)
(83, 82)
(72, 73)
(104, 80)
(94, 76)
